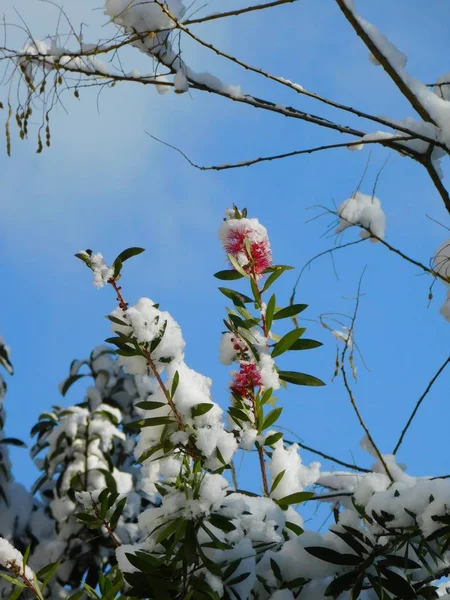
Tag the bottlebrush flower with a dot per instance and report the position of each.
(254, 256)
(245, 380)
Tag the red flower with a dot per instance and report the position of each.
(255, 255)
(246, 380)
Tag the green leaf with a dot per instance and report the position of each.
(150, 422)
(397, 584)
(299, 378)
(175, 382)
(90, 593)
(351, 541)
(276, 271)
(236, 297)
(270, 310)
(12, 580)
(401, 562)
(51, 570)
(222, 523)
(110, 481)
(273, 438)
(305, 344)
(26, 556)
(85, 258)
(331, 556)
(289, 311)
(276, 569)
(128, 253)
(117, 321)
(294, 527)
(277, 480)
(271, 418)
(149, 405)
(155, 343)
(117, 512)
(86, 518)
(237, 266)
(16, 594)
(238, 579)
(238, 415)
(201, 409)
(296, 498)
(117, 267)
(47, 569)
(13, 442)
(69, 381)
(286, 342)
(227, 275)
(341, 583)
(77, 595)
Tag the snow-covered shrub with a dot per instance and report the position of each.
(137, 495)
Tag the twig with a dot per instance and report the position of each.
(240, 11)
(285, 82)
(413, 261)
(106, 525)
(254, 161)
(329, 457)
(418, 403)
(329, 251)
(348, 388)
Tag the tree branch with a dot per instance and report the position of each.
(255, 161)
(349, 390)
(383, 60)
(328, 457)
(419, 402)
(239, 11)
(293, 86)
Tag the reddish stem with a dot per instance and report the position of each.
(124, 305)
(107, 526)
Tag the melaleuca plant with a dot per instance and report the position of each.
(139, 499)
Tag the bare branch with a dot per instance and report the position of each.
(255, 161)
(328, 457)
(349, 390)
(419, 402)
(293, 86)
(239, 11)
(384, 61)
(391, 248)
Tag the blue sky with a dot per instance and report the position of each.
(104, 184)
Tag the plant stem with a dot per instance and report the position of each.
(106, 525)
(124, 305)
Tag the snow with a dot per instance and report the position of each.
(231, 347)
(344, 336)
(102, 273)
(143, 17)
(296, 476)
(180, 82)
(365, 211)
(389, 50)
(12, 559)
(146, 323)
(437, 107)
(210, 438)
(443, 91)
